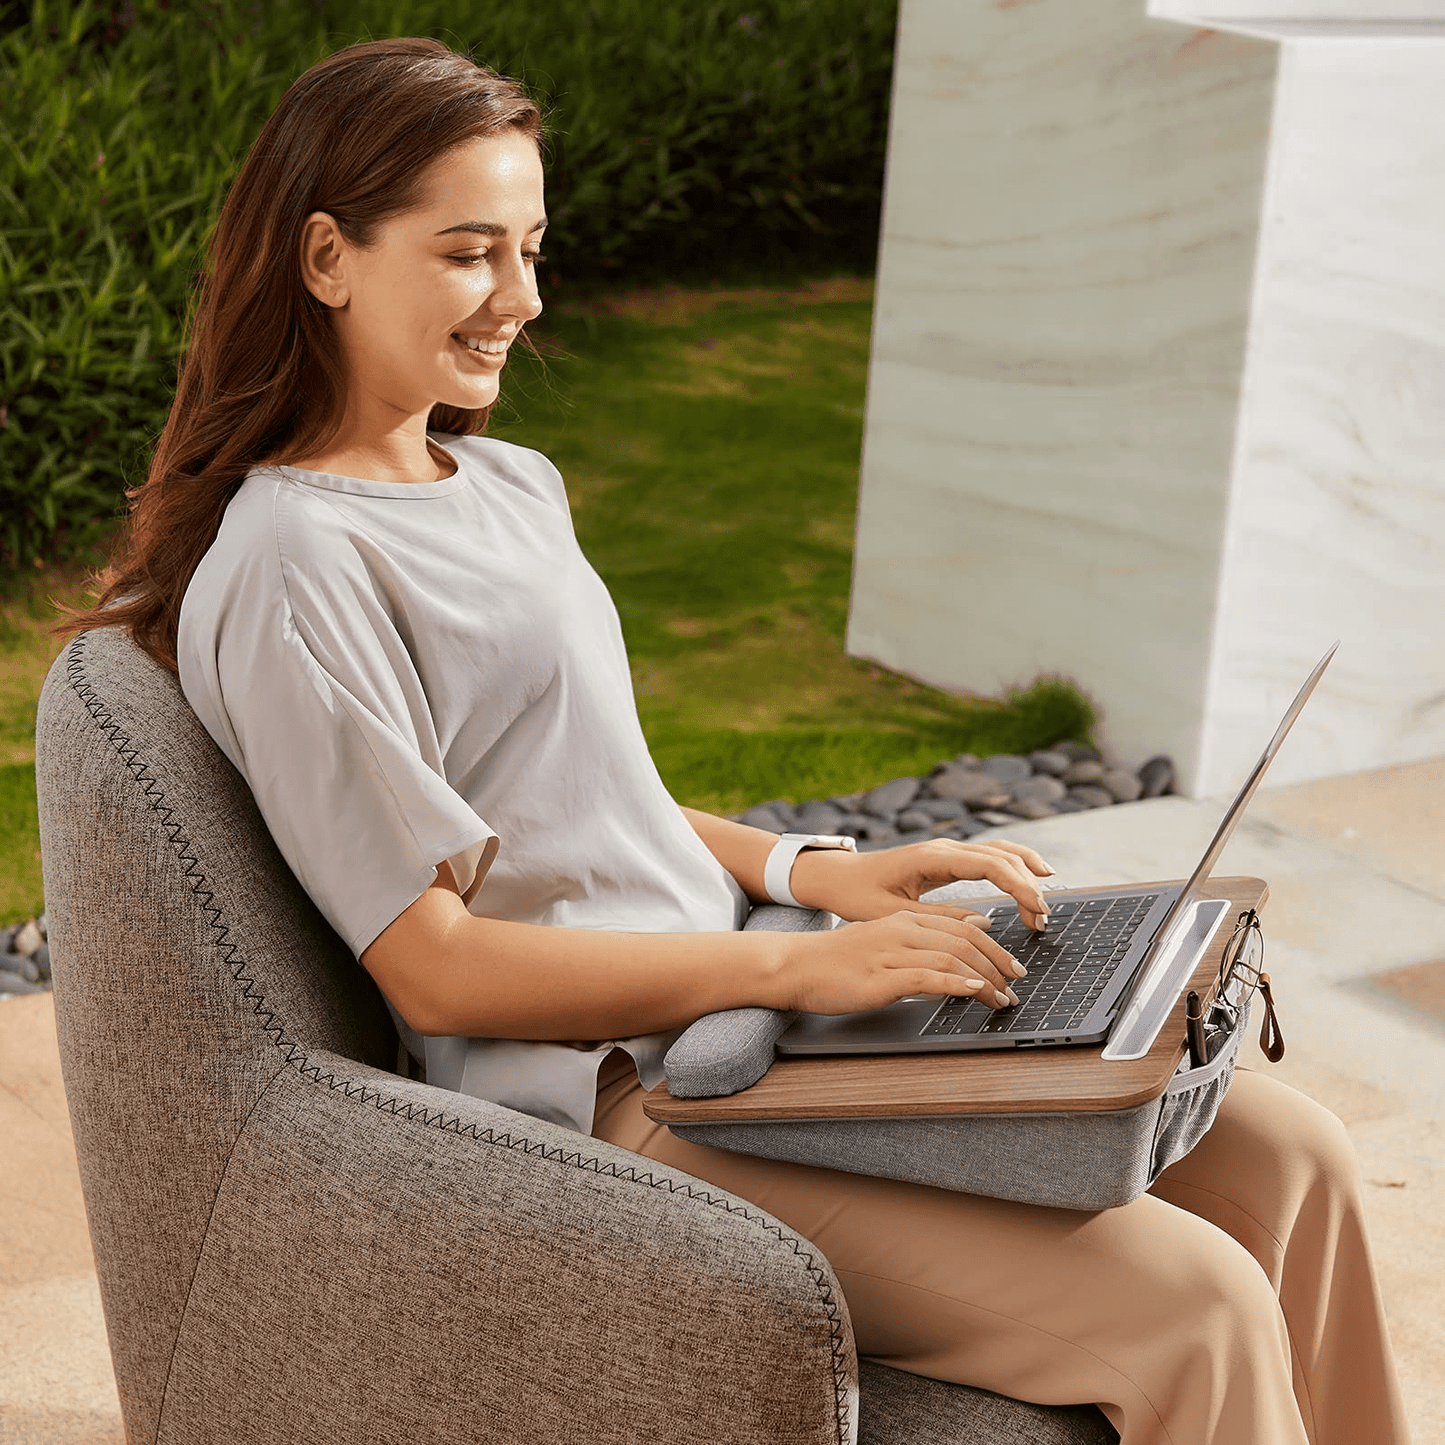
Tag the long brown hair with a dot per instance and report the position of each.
(261, 375)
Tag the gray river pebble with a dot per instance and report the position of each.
(1123, 786)
(962, 785)
(1041, 788)
(885, 801)
(1086, 771)
(1050, 761)
(1157, 776)
(941, 810)
(1091, 795)
(25, 957)
(1032, 808)
(817, 817)
(915, 820)
(1006, 767)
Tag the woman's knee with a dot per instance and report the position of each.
(1297, 1139)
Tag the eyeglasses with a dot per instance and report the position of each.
(1241, 976)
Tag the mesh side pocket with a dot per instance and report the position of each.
(1190, 1102)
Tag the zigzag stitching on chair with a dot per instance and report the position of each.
(296, 1057)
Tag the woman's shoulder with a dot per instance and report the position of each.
(518, 466)
(270, 527)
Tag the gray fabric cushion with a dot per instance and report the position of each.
(1075, 1160)
(904, 1409)
(390, 1263)
(724, 1052)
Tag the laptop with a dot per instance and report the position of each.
(1110, 966)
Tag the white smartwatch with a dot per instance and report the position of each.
(779, 868)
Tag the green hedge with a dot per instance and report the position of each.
(688, 138)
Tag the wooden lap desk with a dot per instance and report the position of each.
(1003, 1082)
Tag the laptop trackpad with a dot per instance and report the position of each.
(880, 1029)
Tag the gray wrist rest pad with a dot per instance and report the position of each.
(726, 1052)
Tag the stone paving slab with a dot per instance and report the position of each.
(1355, 924)
(56, 1384)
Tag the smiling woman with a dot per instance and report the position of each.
(385, 622)
(372, 153)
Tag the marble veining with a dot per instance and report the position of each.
(1337, 504)
(1063, 302)
(1138, 415)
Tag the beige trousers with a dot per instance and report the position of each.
(1234, 1304)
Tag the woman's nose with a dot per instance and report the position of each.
(516, 291)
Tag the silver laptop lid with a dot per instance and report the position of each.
(1226, 829)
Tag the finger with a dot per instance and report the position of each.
(949, 860)
(1032, 860)
(946, 910)
(981, 953)
(1008, 875)
(940, 980)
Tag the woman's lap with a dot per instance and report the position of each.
(1052, 1305)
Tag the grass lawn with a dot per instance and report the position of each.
(710, 444)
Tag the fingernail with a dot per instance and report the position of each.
(1016, 968)
(1006, 998)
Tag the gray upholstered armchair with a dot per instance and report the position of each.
(295, 1242)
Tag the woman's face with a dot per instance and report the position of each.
(426, 313)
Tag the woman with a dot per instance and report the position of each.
(384, 621)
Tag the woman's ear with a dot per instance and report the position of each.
(323, 260)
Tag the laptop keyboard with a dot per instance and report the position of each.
(1069, 967)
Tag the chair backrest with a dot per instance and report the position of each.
(190, 967)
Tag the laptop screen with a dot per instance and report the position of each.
(1163, 937)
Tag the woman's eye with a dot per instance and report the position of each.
(533, 258)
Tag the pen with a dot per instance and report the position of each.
(1194, 1028)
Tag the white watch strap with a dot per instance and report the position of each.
(778, 870)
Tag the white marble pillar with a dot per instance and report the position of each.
(1157, 397)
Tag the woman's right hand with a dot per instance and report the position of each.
(868, 965)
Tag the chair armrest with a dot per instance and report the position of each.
(390, 1261)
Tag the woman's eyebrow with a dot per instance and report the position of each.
(488, 228)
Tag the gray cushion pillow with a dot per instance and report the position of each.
(1073, 1160)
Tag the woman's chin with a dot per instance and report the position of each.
(472, 398)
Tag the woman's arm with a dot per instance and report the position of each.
(450, 972)
(872, 885)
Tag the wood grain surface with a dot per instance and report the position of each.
(872, 1086)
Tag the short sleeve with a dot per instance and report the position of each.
(331, 746)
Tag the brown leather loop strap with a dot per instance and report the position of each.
(1271, 1040)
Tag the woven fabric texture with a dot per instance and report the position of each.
(508, 1284)
(903, 1409)
(263, 1198)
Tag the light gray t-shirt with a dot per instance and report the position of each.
(405, 673)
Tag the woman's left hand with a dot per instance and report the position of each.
(858, 886)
